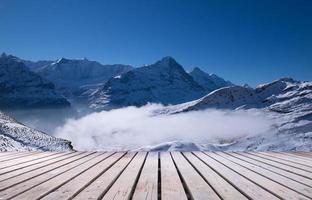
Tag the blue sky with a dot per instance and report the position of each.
(245, 41)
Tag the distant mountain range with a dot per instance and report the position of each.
(98, 86)
(164, 82)
(52, 84)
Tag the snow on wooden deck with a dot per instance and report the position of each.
(154, 176)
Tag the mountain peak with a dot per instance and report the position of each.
(197, 70)
(169, 63)
(288, 79)
(9, 57)
(168, 60)
(62, 60)
(3, 54)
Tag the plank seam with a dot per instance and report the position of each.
(42, 173)
(137, 178)
(36, 168)
(268, 169)
(186, 189)
(265, 176)
(246, 177)
(272, 156)
(115, 179)
(202, 176)
(274, 165)
(32, 165)
(100, 174)
(55, 188)
(278, 162)
(29, 160)
(296, 156)
(159, 178)
(232, 184)
(19, 156)
(8, 153)
(55, 175)
(303, 154)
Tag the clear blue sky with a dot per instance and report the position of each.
(245, 41)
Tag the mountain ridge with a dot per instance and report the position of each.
(209, 81)
(286, 101)
(165, 82)
(22, 88)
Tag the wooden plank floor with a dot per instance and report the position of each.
(155, 175)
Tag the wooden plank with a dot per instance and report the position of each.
(49, 186)
(10, 168)
(247, 187)
(147, 186)
(290, 184)
(23, 162)
(171, 186)
(17, 189)
(303, 154)
(90, 175)
(77, 184)
(98, 187)
(34, 169)
(277, 170)
(197, 186)
(275, 188)
(124, 185)
(300, 156)
(307, 169)
(293, 159)
(8, 153)
(279, 165)
(222, 187)
(11, 181)
(12, 154)
(16, 156)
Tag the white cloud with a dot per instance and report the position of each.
(132, 127)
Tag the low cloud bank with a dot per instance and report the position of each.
(132, 128)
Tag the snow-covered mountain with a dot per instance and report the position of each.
(271, 96)
(36, 65)
(22, 88)
(210, 82)
(286, 101)
(15, 136)
(163, 82)
(73, 76)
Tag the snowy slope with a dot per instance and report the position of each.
(270, 96)
(73, 76)
(22, 88)
(286, 101)
(15, 136)
(209, 81)
(164, 82)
